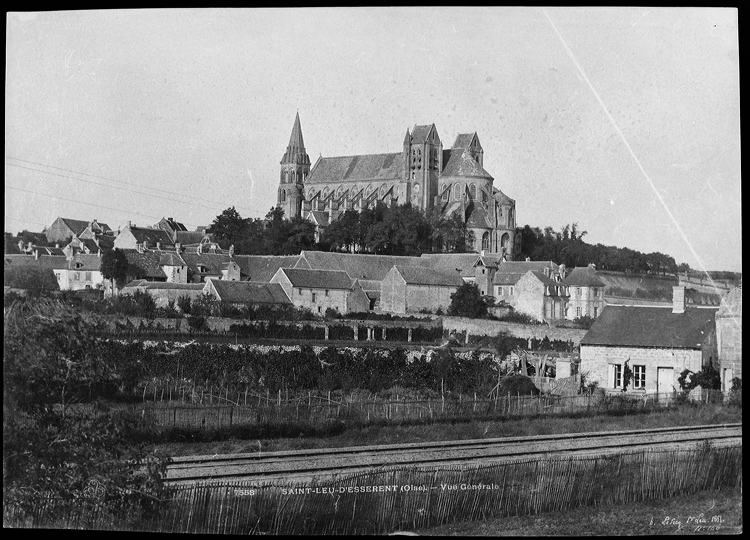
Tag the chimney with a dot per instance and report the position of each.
(528, 259)
(139, 247)
(158, 245)
(592, 266)
(678, 299)
(145, 245)
(231, 250)
(129, 224)
(178, 247)
(199, 250)
(57, 245)
(561, 270)
(481, 253)
(20, 246)
(36, 254)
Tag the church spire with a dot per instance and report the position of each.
(295, 151)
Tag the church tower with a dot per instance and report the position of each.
(295, 166)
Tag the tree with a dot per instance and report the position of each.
(67, 459)
(467, 301)
(229, 227)
(36, 281)
(114, 267)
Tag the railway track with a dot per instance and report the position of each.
(330, 462)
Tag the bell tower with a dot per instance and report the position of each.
(295, 166)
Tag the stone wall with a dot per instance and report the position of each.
(484, 327)
(595, 360)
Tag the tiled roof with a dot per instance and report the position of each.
(54, 262)
(75, 225)
(501, 197)
(426, 276)
(635, 326)
(521, 267)
(87, 262)
(367, 267)
(321, 218)
(189, 237)
(506, 278)
(453, 263)
(152, 236)
(462, 164)
(463, 140)
(150, 285)
(582, 277)
(731, 303)
(249, 292)
(261, 268)
(478, 219)
(419, 133)
(144, 265)
(170, 258)
(541, 277)
(213, 262)
(363, 168)
(48, 250)
(318, 279)
(370, 285)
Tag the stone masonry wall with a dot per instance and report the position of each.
(484, 327)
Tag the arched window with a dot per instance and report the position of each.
(484, 196)
(473, 192)
(486, 241)
(457, 192)
(283, 195)
(446, 192)
(325, 192)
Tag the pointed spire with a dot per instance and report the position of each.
(407, 139)
(295, 151)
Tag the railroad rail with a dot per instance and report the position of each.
(304, 464)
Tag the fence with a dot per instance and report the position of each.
(387, 500)
(317, 411)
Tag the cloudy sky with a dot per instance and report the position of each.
(624, 120)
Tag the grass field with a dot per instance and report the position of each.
(394, 434)
(710, 512)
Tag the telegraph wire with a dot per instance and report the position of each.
(172, 193)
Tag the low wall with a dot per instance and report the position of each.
(484, 327)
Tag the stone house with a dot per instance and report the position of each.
(64, 228)
(83, 272)
(205, 266)
(165, 266)
(540, 296)
(163, 293)
(586, 293)
(319, 290)
(408, 289)
(142, 239)
(246, 293)
(729, 337)
(657, 344)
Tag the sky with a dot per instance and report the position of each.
(623, 120)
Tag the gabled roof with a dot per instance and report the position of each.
(420, 133)
(170, 258)
(363, 168)
(249, 292)
(87, 262)
(152, 236)
(463, 140)
(48, 250)
(636, 326)
(189, 237)
(357, 266)
(151, 286)
(582, 277)
(427, 276)
(75, 225)
(144, 265)
(211, 261)
(521, 267)
(506, 278)
(543, 278)
(462, 164)
(261, 268)
(54, 262)
(318, 279)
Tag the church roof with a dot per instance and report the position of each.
(478, 219)
(501, 197)
(462, 164)
(321, 218)
(362, 168)
(463, 140)
(420, 133)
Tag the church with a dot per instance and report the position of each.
(423, 173)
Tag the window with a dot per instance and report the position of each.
(313, 296)
(300, 292)
(473, 191)
(326, 292)
(283, 196)
(511, 291)
(596, 291)
(578, 312)
(457, 192)
(596, 311)
(617, 382)
(639, 377)
(88, 276)
(578, 291)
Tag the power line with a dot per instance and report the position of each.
(75, 201)
(172, 193)
(111, 187)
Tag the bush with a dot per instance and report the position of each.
(183, 304)
(467, 301)
(584, 322)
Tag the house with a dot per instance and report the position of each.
(165, 266)
(540, 296)
(586, 293)
(15, 264)
(64, 228)
(246, 293)
(319, 290)
(412, 289)
(142, 238)
(204, 266)
(261, 268)
(164, 293)
(83, 271)
(729, 337)
(657, 344)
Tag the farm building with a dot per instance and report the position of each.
(246, 293)
(409, 289)
(656, 343)
(319, 290)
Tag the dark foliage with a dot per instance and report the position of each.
(467, 301)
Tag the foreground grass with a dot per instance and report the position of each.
(395, 434)
(712, 512)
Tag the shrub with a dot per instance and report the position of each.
(467, 301)
(183, 303)
(584, 322)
